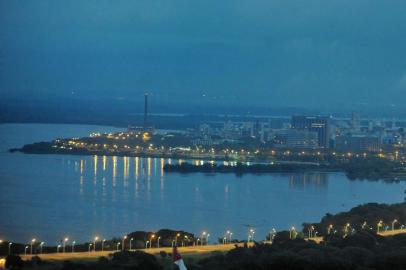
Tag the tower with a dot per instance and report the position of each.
(145, 110)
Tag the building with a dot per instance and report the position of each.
(318, 124)
(293, 138)
(358, 143)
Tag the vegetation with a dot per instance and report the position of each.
(356, 168)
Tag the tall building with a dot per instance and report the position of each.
(317, 124)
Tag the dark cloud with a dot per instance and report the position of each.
(281, 53)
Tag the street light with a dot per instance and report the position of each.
(90, 246)
(379, 225)
(231, 234)
(104, 240)
(123, 246)
(176, 238)
(330, 228)
(41, 245)
(64, 243)
(95, 240)
(310, 231)
(207, 239)
(131, 241)
(292, 232)
(25, 250)
(146, 244)
(73, 246)
(9, 248)
(57, 248)
(203, 236)
(118, 245)
(158, 240)
(150, 242)
(32, 243)
(393, 224)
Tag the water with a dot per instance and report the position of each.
(52, 196)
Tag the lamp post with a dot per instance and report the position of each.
(64, 243)
(330, 228)
(73, 246)
(118, 245)
(231, 234)
(95, 240)
(123, 246)
(150, 241)
(393, 224)
(104, 240)
(25, 250)
(158, 240)
(57, 248)
(207, 239)
(176, 238)
(32, 243)
(292, 232)
(146, 244)
(41, 246)
(203, 237)
(90, 247)
(9, 248)
(379, 225)
(131, 241)
(346, 228)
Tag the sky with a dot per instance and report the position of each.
(312, 53)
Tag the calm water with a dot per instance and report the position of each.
(52, 196)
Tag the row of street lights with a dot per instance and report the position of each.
(204, 239)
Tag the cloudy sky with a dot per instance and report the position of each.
(282, 53)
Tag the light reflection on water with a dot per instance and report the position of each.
(49, 196)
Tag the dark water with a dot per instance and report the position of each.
(52, 196)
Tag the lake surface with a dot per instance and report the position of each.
(52, 196)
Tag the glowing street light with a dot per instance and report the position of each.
(41, 246)
(146, 244)
(251, 233)
(64, 243)
(150, 241)
(393, 224)
(57, 248)
(9, 248)
(118, 245)
(131, 241)
(123, 246)
(158, 240)
(95, 240)
(379, 225)
(104, 240)
(292, 233)
(203, 237)
(73, 246)
(25, 250)
(176, 238)
(90, 247)
(32, 243)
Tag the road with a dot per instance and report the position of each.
(390, 232)
(182, 250)
(94, 255)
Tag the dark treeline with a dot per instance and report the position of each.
(356, 168)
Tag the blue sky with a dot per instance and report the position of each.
(277, 53)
